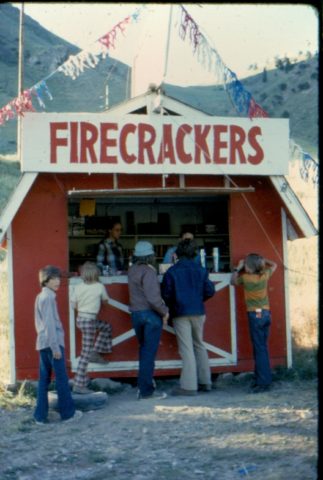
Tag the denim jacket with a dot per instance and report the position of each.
(185, 287)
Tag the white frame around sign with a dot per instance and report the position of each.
(37, 144)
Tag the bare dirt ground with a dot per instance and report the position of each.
(226, 434)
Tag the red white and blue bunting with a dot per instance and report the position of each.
(206, 55)
(240, 98)
(309, 168)
(73, 67)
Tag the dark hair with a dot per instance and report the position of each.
(146, 260)
(47, 273)
(112, 222)
(255, 262)
(186, 248)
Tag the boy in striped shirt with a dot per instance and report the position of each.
(254, 279)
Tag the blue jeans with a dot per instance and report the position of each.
(259, 332)
(148, 327)
(65, 401)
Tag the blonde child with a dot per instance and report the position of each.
(86, 298)
(254, 279)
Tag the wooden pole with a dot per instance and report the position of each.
(20, 74)
(168, 40)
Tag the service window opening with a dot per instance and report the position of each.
(160, 220)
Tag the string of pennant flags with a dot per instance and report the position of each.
(240, 98)
(72, 67)
(207, 56)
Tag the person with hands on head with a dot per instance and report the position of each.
(148, 314)
(253, 274)
(50, 344)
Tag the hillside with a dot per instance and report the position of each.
(43, 53)
(286, 93)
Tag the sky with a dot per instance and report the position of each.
(242, 34)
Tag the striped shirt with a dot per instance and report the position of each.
(255, 289)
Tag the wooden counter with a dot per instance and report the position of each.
(220, 330)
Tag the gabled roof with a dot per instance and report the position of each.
(157, 103)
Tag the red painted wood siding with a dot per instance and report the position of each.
(40, 237)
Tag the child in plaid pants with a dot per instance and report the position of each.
(86, 298)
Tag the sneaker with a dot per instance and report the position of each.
(95, 357)
(82, 390)
(38, 422)
(204, 387)
(181, 391)
(77, 415)
(153, 396)
(154, 387)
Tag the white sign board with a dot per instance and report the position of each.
(132, 143)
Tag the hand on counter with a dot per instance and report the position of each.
(165, 319)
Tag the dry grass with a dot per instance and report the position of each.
(20, 398)
(4, 324)
(303, 265)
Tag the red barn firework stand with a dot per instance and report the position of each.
(158, 166)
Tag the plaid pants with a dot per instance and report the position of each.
(103, 344)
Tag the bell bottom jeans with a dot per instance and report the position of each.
(65, 401)
(148, 327)
(259, 333)
(195, 367)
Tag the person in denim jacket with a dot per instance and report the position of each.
(185, 288)
(254, 279)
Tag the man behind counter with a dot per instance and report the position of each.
(171, 256)
(110, 252)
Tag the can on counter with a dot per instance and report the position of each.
(202, 255)
(215, 255)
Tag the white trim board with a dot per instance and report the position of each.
(293, 205)
(18, 196)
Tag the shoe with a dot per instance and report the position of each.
(181, 391)
(259, 389)
(154, 387)
(77, 415)
(204, 387)
(82, 390)
(95, 357)
(37, 422)
(153, 396)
